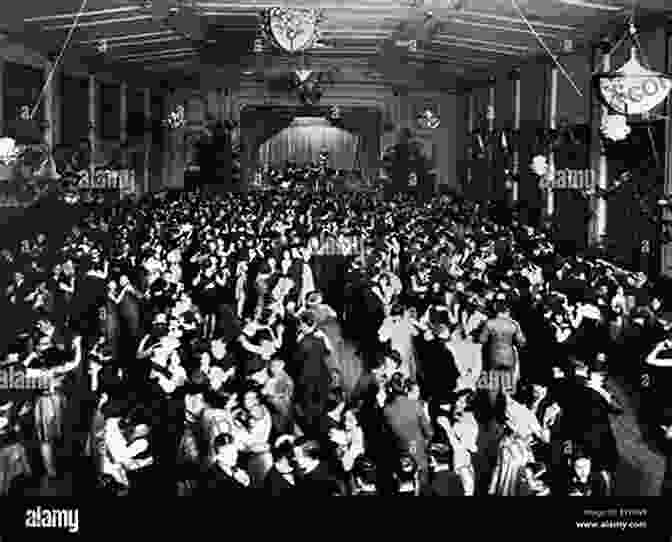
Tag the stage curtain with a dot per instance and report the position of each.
(302, 145)
(256, 126)
(259, 124)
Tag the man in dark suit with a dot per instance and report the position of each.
(501, 337)
(314, 478)
(280, 479)
(313, 377)
(586, 422)
(409, 426)
(373, 315)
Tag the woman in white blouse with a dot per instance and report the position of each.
(252, 431)
(399, 330)
(461, 428)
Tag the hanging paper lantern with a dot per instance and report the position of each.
(540, 165)
(615, 127)
(8, 151)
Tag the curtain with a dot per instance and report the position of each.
(572, 210)
(22, 87)
(367, 124)
(74, 110)
(110, 112)
(627, 224)
(302, 144)
(258, 124)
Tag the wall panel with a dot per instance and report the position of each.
(572, 107)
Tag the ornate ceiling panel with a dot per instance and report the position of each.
(468, 38)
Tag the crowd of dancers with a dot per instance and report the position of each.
(198, 344)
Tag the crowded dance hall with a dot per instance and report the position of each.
(336, 249)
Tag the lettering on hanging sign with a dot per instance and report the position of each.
(636, 95)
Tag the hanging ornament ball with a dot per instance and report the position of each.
(615, 127)
(540, 165)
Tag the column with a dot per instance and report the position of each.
(666, 214)
(123, 135)
(599, 166)
(92, 125)
(56, 109)
(48, 106)
(515, 189)
(2, 96)
(471, 126)
(491, 114)
(552, 124)
(123, 111)
(148, 142)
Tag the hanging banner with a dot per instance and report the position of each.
(634, 89)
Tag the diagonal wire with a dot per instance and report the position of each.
(54, 67)
(546, 48)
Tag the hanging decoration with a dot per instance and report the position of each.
(9, 152)
(615, 127)
(292, 29)
(540, 165)
(427, 117)
(176, 118)
(633, 89)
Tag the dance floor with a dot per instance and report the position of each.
(639, 473)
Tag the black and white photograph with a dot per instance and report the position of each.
(323, 249)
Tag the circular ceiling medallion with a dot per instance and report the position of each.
(293, 30)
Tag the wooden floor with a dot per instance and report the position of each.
(642, 467)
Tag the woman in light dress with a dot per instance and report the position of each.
(398, 331)
(521, 427)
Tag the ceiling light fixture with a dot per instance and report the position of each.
(101, 22)
(127, 37)
(92, 13)
(591, 5)
(504, 18)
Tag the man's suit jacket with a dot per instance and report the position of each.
(313, 378)
(586, 422)
(318, 483)
(410, 428)
(499, 337)
(275, 484)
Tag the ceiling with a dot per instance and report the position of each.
(473, 38)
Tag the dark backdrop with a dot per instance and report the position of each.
(260, 123)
